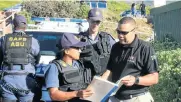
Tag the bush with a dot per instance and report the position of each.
(169, 87)
(63, 9)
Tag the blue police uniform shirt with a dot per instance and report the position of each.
(16, 80)
(29, 67)
(51, 74)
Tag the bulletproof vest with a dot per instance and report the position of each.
(96, 56)
(70, 78)
(17, 49)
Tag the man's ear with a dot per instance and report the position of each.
(66, 51)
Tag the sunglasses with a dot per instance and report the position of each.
(124, 32)
(96, 22)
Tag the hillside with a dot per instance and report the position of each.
(111, 17)
(8, 3)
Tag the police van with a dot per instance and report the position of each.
(48, 31)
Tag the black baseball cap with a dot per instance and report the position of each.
(19, 21)
(95, 14)
(69, 40)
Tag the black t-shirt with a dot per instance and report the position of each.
(137, 59)
(142, 7)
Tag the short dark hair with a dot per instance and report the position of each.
(126, 20)
(20, 27)
(60, 54)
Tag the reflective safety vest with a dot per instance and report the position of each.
(72, 78)
(17, 49)
(96, 56)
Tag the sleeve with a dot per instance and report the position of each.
(36, 50)
(35, 47)
(51, 76)
(150, 60)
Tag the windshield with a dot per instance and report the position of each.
(47, 40)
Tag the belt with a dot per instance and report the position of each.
(125, 97)
(12, 89)
(15, 73)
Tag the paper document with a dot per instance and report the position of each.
(102, 89)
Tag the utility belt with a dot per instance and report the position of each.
(12, 89)
(126, 97)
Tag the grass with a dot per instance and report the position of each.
(8, 3)
(112, 16)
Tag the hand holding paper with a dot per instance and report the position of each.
(102, 89)
(84, 93)
(128, 80)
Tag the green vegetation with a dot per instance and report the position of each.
(114, 10)
(63, 9)
(169, 57)
(27, 15)
(73, 9)
(6, 4)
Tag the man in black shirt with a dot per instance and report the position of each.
(142, 8)
(134, 62)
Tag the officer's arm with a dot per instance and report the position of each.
(36, 50)
(58, 95)
(107, 75)
(148, 79)
(52, 83)
(151, 67)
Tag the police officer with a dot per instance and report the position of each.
(18, 53)
(96, 54)
(134, 62)
(64, 77)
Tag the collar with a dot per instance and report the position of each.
(133, 44)
(96, 38)
(64, 64)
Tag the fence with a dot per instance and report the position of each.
(7, 24)
(167, 22)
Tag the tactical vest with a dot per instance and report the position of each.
(96, 56)
(72, 78)
(17, 49)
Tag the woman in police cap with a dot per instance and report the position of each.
(64, 77)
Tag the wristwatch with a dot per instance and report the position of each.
(136, 80)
